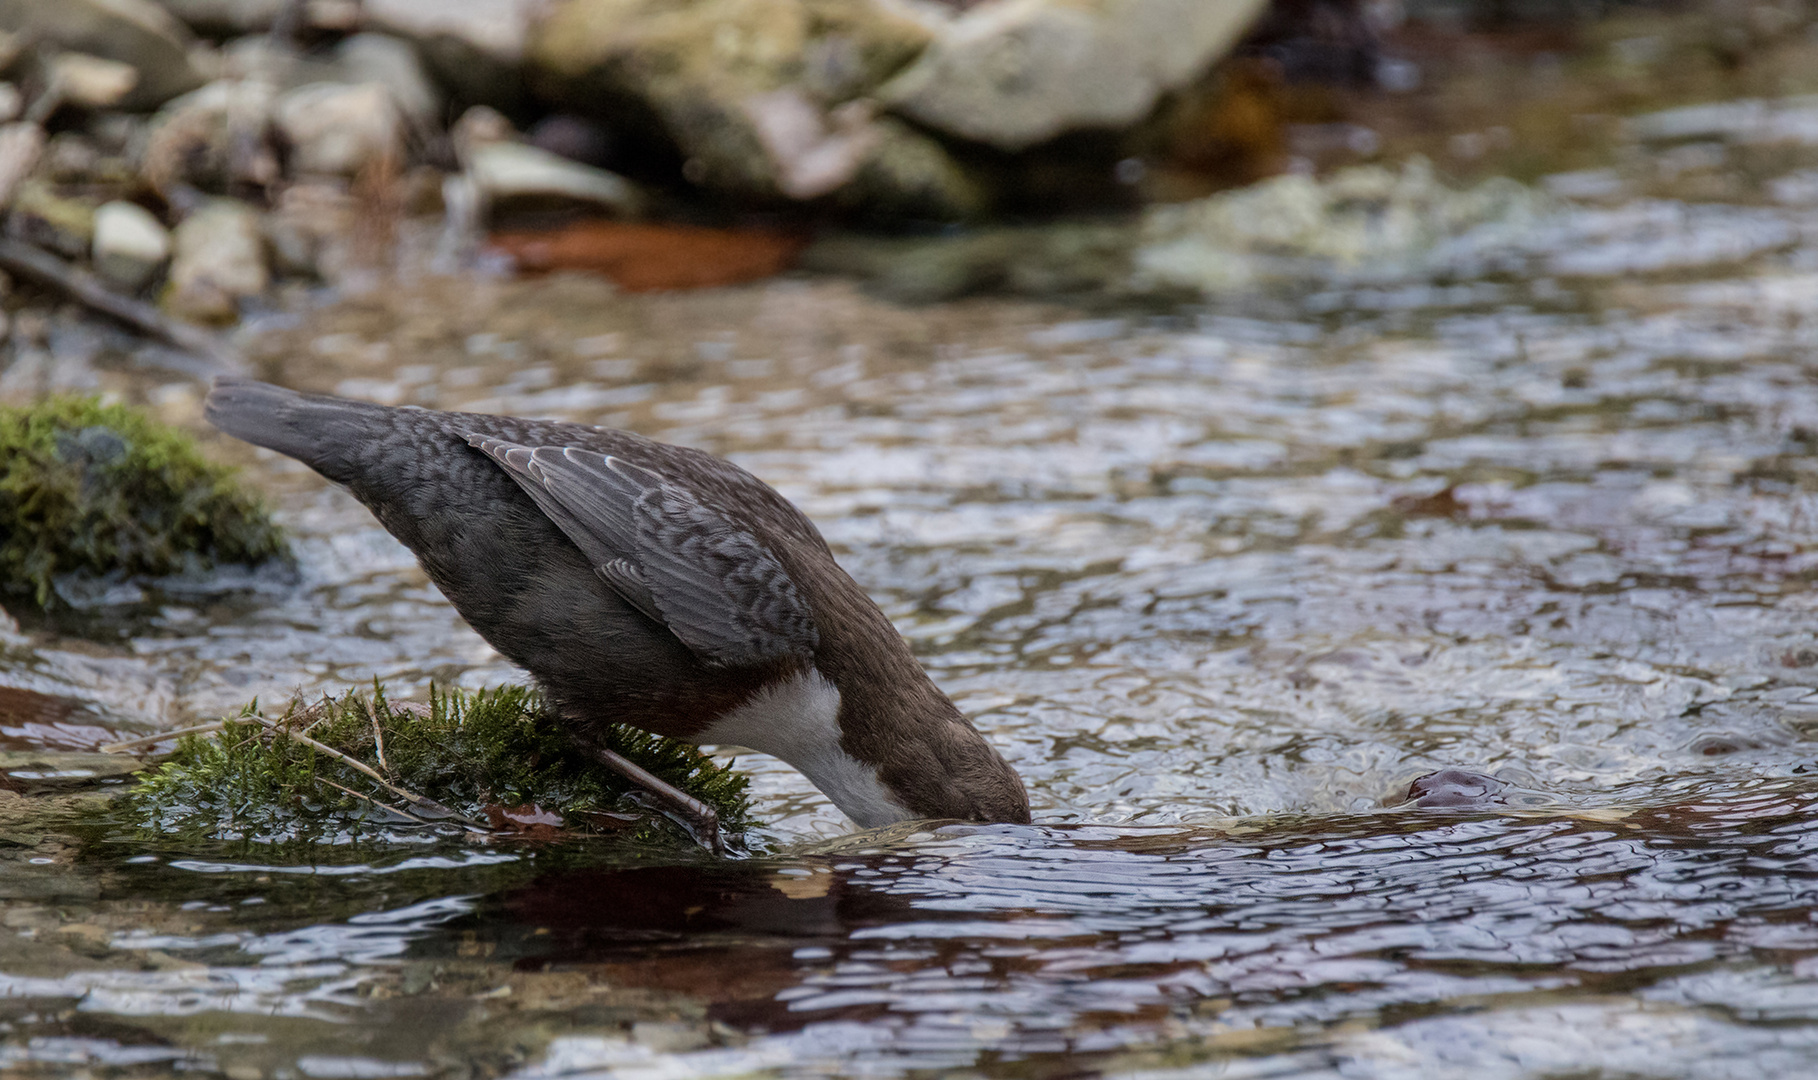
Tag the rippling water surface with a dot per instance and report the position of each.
(1220, 582)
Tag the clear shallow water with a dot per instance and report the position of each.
(1221, 583)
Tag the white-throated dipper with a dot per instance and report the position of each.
(651, 585)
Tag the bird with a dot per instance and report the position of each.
(653, 585)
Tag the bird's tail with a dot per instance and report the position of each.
(315, 430)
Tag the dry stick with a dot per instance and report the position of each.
(378, 738)
(411, 797)
(689, 806)
(152, 740)
(41, 266)
(375, 802)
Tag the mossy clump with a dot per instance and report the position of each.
(93, 489)
(481, 754)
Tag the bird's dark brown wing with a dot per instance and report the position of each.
(716, 586)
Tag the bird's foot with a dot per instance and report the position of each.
(699, 818)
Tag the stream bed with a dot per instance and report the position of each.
(1220, 580)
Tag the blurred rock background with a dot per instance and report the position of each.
(182, 163)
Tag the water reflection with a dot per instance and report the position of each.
(1665, 941)
(999, 944)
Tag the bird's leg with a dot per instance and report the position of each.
(705, 822)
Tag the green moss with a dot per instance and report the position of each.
(475, 753)
(87, 488)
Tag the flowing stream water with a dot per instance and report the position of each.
(1219, 581)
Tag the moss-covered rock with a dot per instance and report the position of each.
(93, 489)
(494, 756)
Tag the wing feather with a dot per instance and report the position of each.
(715, 585)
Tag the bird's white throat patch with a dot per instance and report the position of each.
(798, 720)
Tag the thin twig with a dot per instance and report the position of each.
(378, 738)
(162, 736)
(323, 713)
(381, 805)
(411, 797)
(83, 287)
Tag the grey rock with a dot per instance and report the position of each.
(130, 245)
(393, 63)
(475, 47)
(277, 63)
(337, 129)
(135, 32)
(766, 98)
(226, 16)
(1019, 72)
(12, 103)
(218, 260)
(361, 58)
(213, 138)
(497, 28)
(910, 175)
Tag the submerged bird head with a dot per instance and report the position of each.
(943, 768)
(884, 744)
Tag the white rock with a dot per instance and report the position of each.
(219, 260)
(130, 244)
(1018, 72)
(507, 171)
(90, 81)
(338, 130)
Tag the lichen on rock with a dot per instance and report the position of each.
(95, 490)
(496, 756)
